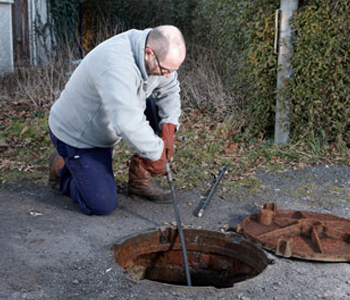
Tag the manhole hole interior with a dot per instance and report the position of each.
(215, 259)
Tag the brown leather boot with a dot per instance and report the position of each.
(141, 184)
(56, 163)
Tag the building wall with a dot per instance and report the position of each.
(6, 47)
(19, 41)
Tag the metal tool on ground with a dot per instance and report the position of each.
(179, 226)
(207, 199)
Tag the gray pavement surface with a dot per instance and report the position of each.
(50, 250)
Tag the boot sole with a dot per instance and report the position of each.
(154, 200)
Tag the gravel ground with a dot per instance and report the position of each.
(49, 250)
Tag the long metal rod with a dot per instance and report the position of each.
(207, 200)
(179, 226)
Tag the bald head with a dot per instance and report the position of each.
(168, 42)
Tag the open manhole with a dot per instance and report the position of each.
(215, 258)
(301, 234)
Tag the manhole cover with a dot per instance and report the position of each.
(215, 258)
(301, 234)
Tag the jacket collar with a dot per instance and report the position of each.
(138, 44)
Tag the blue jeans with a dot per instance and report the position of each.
(87, 176)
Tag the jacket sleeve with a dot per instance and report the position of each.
(123, 100)
(167, 96)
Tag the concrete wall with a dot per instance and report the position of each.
(6, 48)
(39, 46)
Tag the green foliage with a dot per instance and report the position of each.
(243, 32)
(35, 128)
(321, 84)
(64, 19)
(143, 14)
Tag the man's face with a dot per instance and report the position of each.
(157, 68)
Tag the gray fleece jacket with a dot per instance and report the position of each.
(105, 98)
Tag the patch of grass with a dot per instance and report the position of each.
(322, 194)
(333, 189)
(302, 191)
(200, 154)
(250, 182)
(15, 174)
(212, 133)
(305, 176)
(24, 148)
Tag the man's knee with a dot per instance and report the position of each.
(97, 205)
(104, 210)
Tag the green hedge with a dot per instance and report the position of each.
(321, 83)
(242, 34)
(243, 31)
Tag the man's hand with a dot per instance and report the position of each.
(156, 168)
(167, 135)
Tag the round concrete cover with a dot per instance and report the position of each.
(301, 234)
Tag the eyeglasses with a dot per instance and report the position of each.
(163, 71)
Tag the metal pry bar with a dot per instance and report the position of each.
(179, 226)
(207, 200)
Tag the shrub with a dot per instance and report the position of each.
(321, 63)
(239, 35)
(242, 32)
